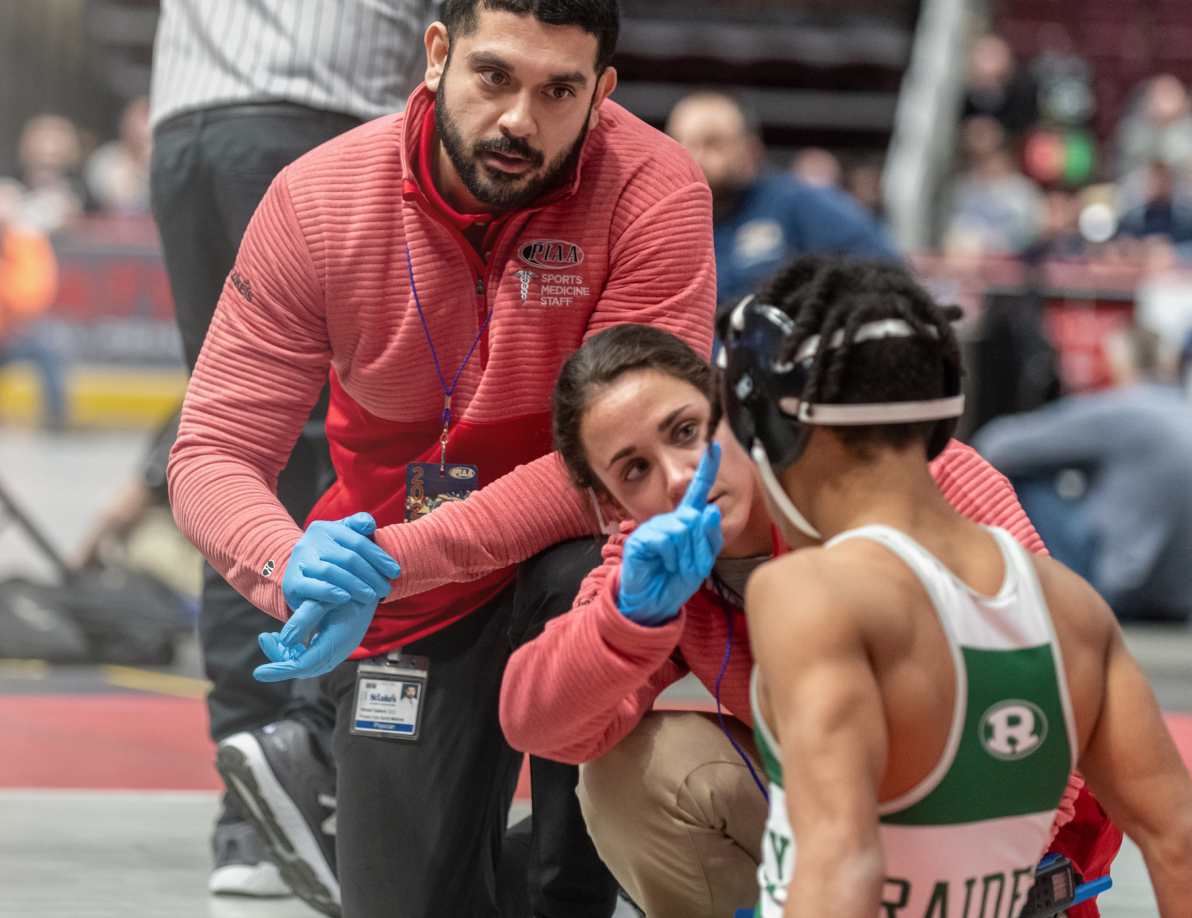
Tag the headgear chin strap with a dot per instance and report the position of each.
(778, 495)
(763, 392)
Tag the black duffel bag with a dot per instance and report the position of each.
(103, 615)
(33, 627)
(127, 616)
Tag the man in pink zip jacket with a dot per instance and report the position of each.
(440, 264)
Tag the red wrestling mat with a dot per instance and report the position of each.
(135, 742)
(1180, 726)
(109, 742)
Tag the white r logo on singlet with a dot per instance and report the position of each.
(1013, 729)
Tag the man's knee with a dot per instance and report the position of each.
(548, 583)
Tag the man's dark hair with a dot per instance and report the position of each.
(601, 18)
(605, 358)
(825, 294)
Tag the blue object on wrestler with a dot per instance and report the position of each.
(667, 557)
(335, 577)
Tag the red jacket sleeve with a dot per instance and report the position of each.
(976, 489)
(262, 366)
(1091, 841)
(468, 539)
(577, 689)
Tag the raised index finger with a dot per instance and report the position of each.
(701, 483)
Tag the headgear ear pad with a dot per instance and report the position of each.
(753, 337)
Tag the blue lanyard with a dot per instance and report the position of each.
(728, 617)
(446, 391)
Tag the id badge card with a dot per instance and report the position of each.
(431, 484)
(389, 697)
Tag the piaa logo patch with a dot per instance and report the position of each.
(1013, 729)
(551, 254)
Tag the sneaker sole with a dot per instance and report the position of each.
(272, 813)
(262, 881)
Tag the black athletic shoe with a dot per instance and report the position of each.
(288, 794)
(242, 866)
(633, 906)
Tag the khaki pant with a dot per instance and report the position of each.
(676, 815)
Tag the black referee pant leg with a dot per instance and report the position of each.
(207, 179)
(565, 876)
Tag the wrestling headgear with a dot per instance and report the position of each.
(763, 393)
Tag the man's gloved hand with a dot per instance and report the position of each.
(666, 558)
(335, 562)
(338, 630)
(334, 579)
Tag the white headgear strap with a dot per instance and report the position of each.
(933, 409)
(778, 495)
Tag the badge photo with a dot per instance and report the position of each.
(389, 696)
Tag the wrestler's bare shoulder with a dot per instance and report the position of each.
(858, 579)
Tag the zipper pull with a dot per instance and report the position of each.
(480, 287)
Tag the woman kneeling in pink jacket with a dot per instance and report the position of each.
(674, 799)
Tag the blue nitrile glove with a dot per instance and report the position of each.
(666, 558)
(335, 562)
(338, 630)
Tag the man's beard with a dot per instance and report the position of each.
(500, 190)
(726, 192)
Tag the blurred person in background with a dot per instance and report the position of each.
(51, 154)
(1106, 479)
(1161, 213)
(761, 218)
(994, 86)
(240, 89)
(816, 167)
(1061, 238)
(1157, 127)
(137, 532)
(28, 283)
(863, 183)
(117, 174)
(992, 208)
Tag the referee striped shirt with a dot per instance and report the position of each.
(360, 57)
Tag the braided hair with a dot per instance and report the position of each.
(826, 294)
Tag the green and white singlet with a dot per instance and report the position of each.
(965, 841)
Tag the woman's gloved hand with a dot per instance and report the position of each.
(667, 558)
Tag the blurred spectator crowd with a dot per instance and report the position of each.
(1033, 179)
(64, 173)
